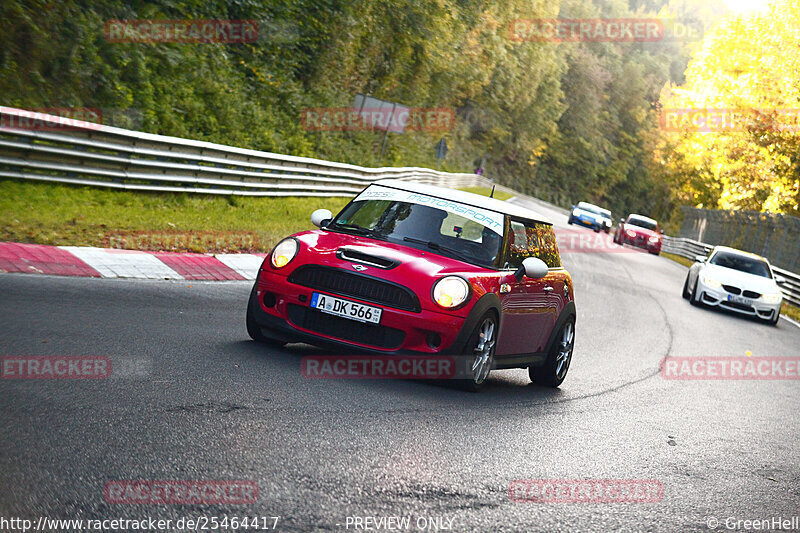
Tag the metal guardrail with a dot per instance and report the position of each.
(105, 156)
(690, 249)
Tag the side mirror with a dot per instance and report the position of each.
(532, 267)
(700, 258)
(780, 280)
(622, 221)
(321, 217)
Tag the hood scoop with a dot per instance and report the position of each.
(356, 256)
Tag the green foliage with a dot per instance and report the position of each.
(748, 65)
(563, 121)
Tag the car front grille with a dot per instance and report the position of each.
(345, 329)
(731, 289)
(359, 286)
(736, 305)
(751, 294)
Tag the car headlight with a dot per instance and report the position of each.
(450, 292)
(711, 282)
(631, 233)
(283, 253)
(575, 213)
(773, 298)
(654, 238)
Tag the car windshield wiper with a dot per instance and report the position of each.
(436, 246)
(356, 228)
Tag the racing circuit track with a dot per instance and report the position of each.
(199, 400)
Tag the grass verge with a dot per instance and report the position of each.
(787, 309)
(483, 191)
(45, 213)
(65, 215)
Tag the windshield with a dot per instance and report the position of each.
(642, 223)
(742, 263)
(590, 208)
(422, 227)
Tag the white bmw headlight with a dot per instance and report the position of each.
(711, 282)
(450, 292)
(773, 298)
(283, 253)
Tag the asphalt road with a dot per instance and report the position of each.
(195, 399)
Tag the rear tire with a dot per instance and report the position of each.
(555, 368)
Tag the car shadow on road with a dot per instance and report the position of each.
(510, 383)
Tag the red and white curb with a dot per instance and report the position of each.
(115, 263)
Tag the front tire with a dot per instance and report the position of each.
(481, 345)
(555, 368)
(695, 299)
(685, 292)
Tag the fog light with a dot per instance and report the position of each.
(268, 298)
(434, 340)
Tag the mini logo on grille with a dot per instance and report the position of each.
(360, 268)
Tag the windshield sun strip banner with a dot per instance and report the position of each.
(484, 217)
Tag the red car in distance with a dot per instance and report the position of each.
(406, 268)
(639, 231)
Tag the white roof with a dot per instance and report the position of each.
(647, 219)
(468, 198)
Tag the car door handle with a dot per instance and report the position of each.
(548, 288)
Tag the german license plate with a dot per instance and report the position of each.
(346, 308)
(740, 300)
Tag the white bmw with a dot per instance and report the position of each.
(735, 280)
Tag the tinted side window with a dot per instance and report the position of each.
(531, 239)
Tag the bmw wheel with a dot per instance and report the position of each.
(685, 292)
(695, 298)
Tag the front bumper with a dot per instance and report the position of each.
(644, 244)
(589, 223)
(718, 297)
(290, 319)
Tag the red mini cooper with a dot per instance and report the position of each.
(414, 269)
